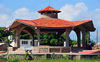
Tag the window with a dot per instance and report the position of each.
(24, 42)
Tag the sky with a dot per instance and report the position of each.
(72, 10)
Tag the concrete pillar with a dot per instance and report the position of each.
(68, 30)
(87, 36)
(17, 38)
(78, 38)
(38, 34)
(76, 57)
(17, 35)
(15, 42)
(84, 38)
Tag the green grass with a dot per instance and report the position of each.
(15, 59)
(51, 60)
(62, 60)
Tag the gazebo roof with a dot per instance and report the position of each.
(49, 8)
(54, 23)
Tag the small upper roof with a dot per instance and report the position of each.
(49, 8)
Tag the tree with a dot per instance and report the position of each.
(88, 38)
(4, 34)
(25, 35)
(44, 39)
(53, 42)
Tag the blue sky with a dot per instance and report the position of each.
(71, 10)
(39, 4)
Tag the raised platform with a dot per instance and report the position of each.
(52, 49)
(41, 49)
(85, 54)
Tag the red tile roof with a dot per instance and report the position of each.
(49, 8)
(51, 22)
(76, 23)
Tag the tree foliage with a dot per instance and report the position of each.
(53, 42)
(4, 34)
(24, 35)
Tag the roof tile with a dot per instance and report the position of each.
(51, 22)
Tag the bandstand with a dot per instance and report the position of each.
(50, 23)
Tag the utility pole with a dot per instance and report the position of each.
(97, 36)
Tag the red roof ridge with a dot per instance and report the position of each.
(76, 23)
(29, 22)
(49, 8)
(21, 20)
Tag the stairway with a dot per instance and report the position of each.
(77, 49)
(90, 52)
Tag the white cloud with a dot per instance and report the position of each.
(69, 12)
(4, 20)
(24, 13)
(4, 10)
(7, 17)
(80, 11)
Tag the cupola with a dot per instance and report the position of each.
(49, 12)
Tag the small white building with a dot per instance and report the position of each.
(26, 42)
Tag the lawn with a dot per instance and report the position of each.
(62, 60)
(52, 60)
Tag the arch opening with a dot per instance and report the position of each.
(25, 39)
(73, 39)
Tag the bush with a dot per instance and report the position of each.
(4, 57)
(65, 56)
(72, 42)
(53, 56)
(98, 56)
(15, 59)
